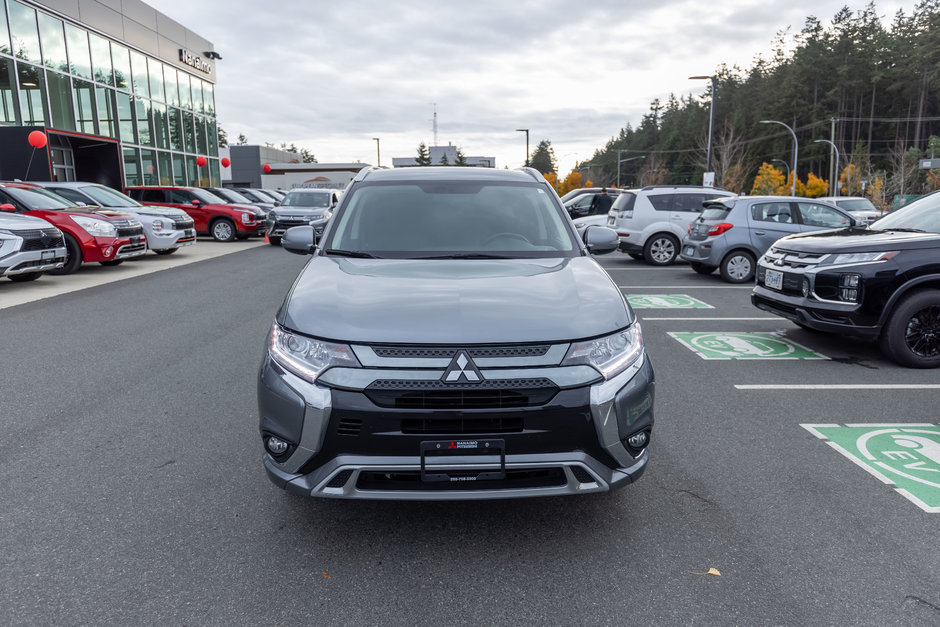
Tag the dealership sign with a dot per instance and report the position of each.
(195, 61)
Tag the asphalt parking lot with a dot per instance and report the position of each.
(133, 490)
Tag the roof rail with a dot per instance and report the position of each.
(364, 172)
(533, 173)
(683, 187)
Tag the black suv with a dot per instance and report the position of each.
(877, 283)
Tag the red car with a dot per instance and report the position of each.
(91, 233)
(212, 216)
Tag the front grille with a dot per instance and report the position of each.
(493, 394)
(130, 231)
(780, 258)
(40, 239)
(399, 352)
(411, 480)
(180, 224)
(349, 426)
(340, 479)
(462, 425)
(792, 283)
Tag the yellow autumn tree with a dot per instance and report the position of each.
(769, 179)
(552, 179)
(787, 188)
(815, 186)
(876, 193)
(851, 180)
(570, 182)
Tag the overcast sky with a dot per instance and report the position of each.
(330, 76)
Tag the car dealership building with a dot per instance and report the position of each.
(125, 94)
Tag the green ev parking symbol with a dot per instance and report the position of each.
(904, 456)
(666, 301)
(730, 345)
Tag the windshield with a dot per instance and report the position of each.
(274, 193)
(254, 196)
(923, 214)
(856, 204)
(109, 198)
(231, 196)
(39, 198)
(209, 198)
(307, 199)
(452, 219)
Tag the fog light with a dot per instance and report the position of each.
(805, 287)
(849, 295)
(849, 280)
(275, 445)
(638, 440)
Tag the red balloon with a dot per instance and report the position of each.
(37, 139)
(266, 168)
(226, 162)
(201, 161)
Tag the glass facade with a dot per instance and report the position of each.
(58, 74)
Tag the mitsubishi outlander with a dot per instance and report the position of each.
(451, 337)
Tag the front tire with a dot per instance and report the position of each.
(637, 256)
(661, 250)
(911, 336)
(73, 256)
(738, 267)
(26, 276)
(223, 230)
(274, 240)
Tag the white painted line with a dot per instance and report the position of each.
(812, 429)
(843, 386)
(705, 318)
(686, 287)
(883, 425)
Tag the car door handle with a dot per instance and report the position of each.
(760, 232)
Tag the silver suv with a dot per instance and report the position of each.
(452, 338)
(28, 247)
(653, 220)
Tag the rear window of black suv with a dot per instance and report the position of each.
(421, 219)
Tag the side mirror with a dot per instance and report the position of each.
(195, 202)
(600, 240)
(277, 203)
(7, 207)
(301, 240)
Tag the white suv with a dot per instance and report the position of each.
(651, 221)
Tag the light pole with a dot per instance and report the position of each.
(785, 164)
(619, 161)
(378, 153)
(796, 150)
(526, 131)
(834, 185)
(711, 116)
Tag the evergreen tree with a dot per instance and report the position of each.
(424, 157)
(543, 158)
(444, 160)
(461, 159)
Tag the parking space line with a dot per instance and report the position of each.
(842, 386)
(686, 287)
(708, 318)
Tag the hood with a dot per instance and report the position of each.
(857, 240)
(154, 210)
(459, 301)
(99, 212)
(305, 212)
(17, 222)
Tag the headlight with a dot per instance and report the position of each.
(95, 227)
(306, 357)
(609, 355)
(862, 257)
(247, 218)
(158, 225)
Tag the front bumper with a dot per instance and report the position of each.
(344, 446)
(279, 227)
(23, 262)
(171, 238)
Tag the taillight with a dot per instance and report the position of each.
(718, 229)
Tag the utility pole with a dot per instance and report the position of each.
(833, 165)
(434, 122)
(378, 153)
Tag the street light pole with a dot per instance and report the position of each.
(619, 161)
(785, 164)
(711, 116)
(526, 131)
(378, 153)
(796, 150)
(834, 184)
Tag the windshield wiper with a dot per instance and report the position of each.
(358, 254)
(467, 256)
(903, 230)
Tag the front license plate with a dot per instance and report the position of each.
(773, 279)
(48, 254)
(442, 460)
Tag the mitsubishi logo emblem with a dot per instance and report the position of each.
(462, 370)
